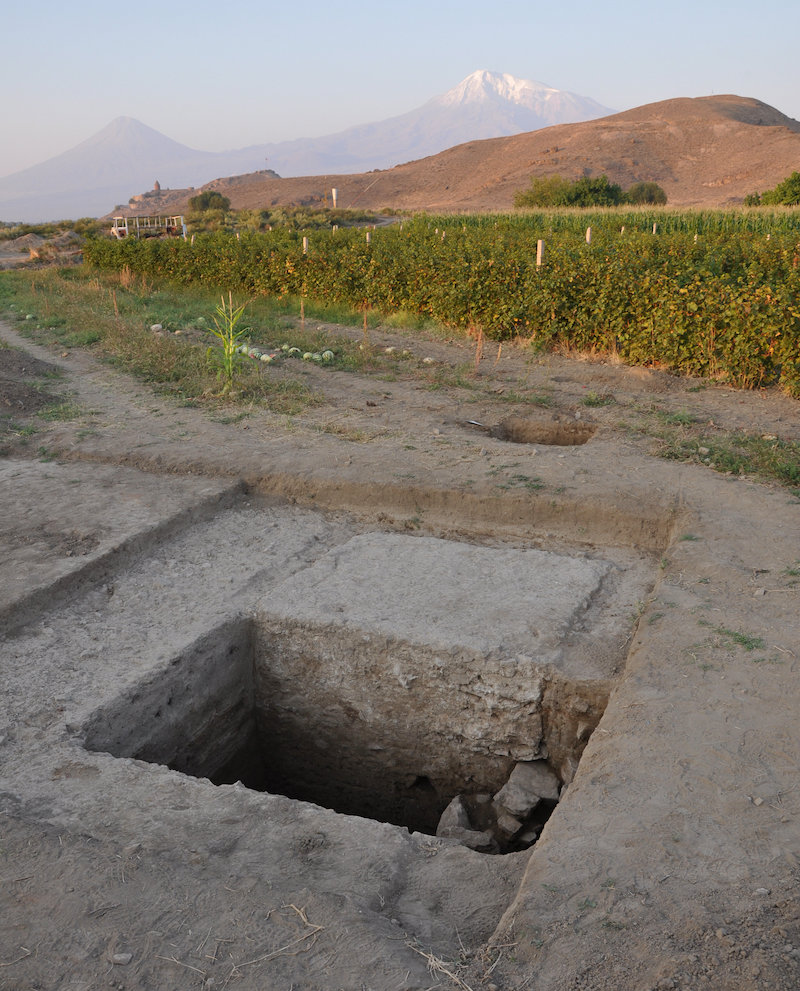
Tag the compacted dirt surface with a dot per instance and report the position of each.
(373, 572)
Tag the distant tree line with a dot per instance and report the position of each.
(556, 191)
(786, 193)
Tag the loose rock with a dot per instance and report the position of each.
(528, 784)
(508, 825)
(455, 816)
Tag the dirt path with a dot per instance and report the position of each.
(135, 525)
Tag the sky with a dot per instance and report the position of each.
(225, 75)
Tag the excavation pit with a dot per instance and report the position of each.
(519, 430)
(391, 676)
(550, 433)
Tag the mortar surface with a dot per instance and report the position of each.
(671, 860)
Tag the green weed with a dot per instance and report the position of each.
(739, 454)
(530, 482)
(229, 334)
(678, 419)
(66, 410)
(594, 399)
(744, 640)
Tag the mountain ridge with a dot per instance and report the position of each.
(704, 151)
(127, 156)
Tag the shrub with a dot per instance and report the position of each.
(209, 200)
(545, 191)
(649, 193)
(786, 193)
(596, 192)
(555, 191)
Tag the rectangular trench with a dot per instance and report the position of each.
(387, 731)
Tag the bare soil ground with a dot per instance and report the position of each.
(30, 249)
(672, 861)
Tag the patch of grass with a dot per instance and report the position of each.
(519, 397)
(594, 399)
(636, 615)
(66, 410)
(688, 536)
(17, 434)
(346, 433)
(113, 316)
(405, 320)
(739, 453)
(530, 482)
(681, 418)
(331, 312)
(744, 640)
(229, 418)
(84, 338)
(457, 377)
(50, 374)
(289, 397)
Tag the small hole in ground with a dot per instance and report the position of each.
(519, 430)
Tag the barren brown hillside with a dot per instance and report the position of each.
(708, 152)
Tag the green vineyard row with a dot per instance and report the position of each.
(708, 294)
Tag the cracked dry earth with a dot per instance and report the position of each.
(397, 607)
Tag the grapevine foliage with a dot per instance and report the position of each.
(708, 294)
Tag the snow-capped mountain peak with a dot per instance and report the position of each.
(484, 85)
(545, 104)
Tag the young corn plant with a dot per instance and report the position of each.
(229, 335)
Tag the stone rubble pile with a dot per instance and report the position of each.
(509, 821)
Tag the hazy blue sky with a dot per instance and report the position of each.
(225, 75)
